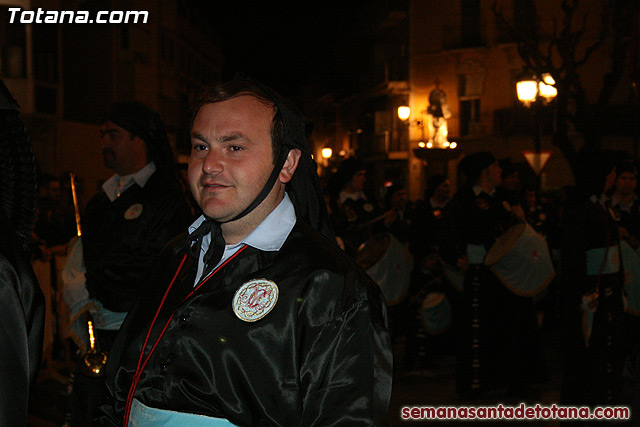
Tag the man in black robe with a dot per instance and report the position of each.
(499, 340)
(125, 227)
(260, 319)
(592, 281)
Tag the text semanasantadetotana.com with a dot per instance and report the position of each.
(41, 16)
(521, 412)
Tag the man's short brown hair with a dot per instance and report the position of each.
(238, 87)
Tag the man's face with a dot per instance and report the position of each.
(231, 156)
(511, 182)
(53, 189)
(357, 182)
(442, 190)
(399, 199)
(530, 198)
(494, 174)
(626, 183)
(121, 151)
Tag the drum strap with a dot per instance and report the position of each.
(475, 328)
(606, 254)
(587, 316)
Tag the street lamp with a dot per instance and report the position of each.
(536, 92)
(404, 112)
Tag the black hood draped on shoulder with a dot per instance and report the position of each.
(304, 188)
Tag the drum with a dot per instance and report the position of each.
(436, 313)
(371, 251)
(631, 265)
(520, 260)
(392, 268)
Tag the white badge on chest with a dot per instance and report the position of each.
(133, 212)
(255, 299)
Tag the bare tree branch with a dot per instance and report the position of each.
(604, 32)
(566, 46)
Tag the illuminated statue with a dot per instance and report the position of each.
(439, 111)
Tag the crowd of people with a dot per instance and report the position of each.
(577, 247)
(264, 297)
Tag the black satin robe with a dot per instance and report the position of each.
(322, 356)
(119, 251)
(21, 327)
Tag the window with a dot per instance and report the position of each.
(470, 117)
(45, 53)
(13, 44)
(471, 25)
(470, 88)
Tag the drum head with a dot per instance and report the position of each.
(504, 244)
(436, 313)
(372, 250)
(526, 269)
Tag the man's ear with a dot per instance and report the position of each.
(290, 165)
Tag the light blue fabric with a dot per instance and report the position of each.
(269, 235)
(107, 319)
(145, 416)
(476, 253)
(596, 258)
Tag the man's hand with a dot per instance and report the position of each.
(463, 263)
(390, 216)
(518, 212)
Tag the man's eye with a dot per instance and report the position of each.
(235, 148)
(198, 147)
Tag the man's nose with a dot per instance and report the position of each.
(105, 141)
(212, 162)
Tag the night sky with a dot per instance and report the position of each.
(285, 44)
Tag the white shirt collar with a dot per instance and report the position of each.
(616, 201)
(602, 199)
(269, 235)
(141, 177)
(477, 190)
(358, 195)
(436, 205)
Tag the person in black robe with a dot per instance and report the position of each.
(22, 302)
(258, 318)
(625, 203)
(499, 339)
(427, 226)
(124, 228)
(592, 281)
(354, 215)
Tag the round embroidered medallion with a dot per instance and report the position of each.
(255, 299)
(133, 212)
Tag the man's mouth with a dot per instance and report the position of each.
(213, 186)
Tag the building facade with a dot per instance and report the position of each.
(468, 50)
(66, 75)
